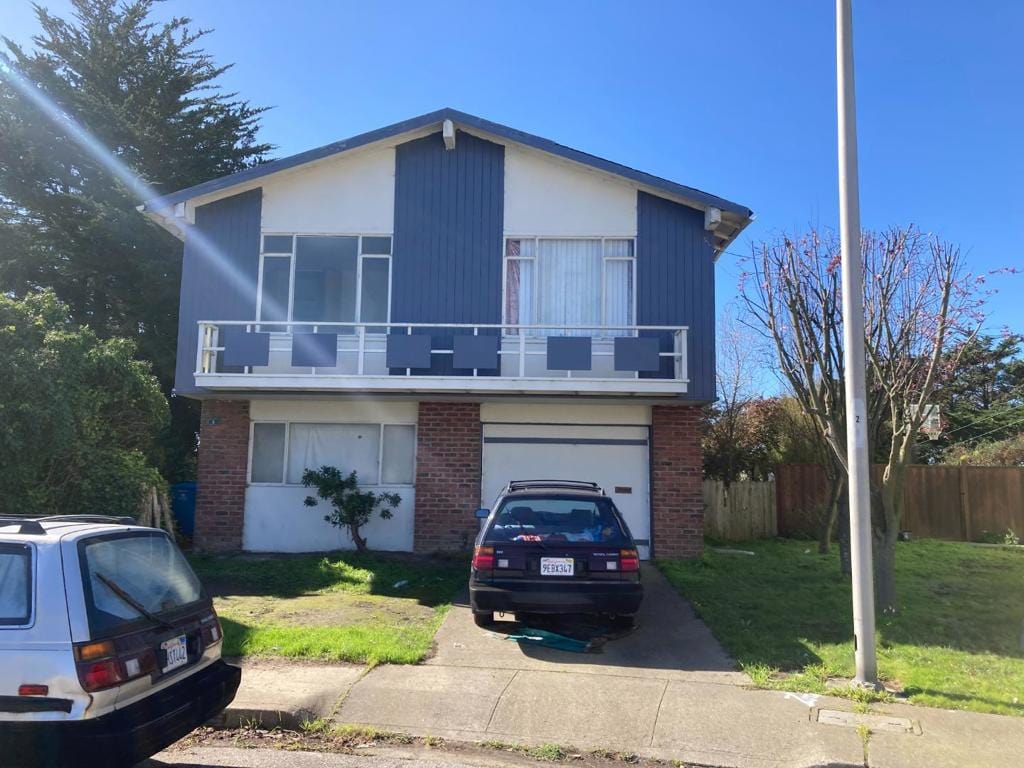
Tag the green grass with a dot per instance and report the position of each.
(371, 608)
(784, 615)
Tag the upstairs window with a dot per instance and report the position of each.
(569, 287)
(325, 279)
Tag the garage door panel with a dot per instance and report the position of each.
(616, 458)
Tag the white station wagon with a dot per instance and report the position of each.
(109, 646)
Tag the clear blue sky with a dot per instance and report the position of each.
(736, 98)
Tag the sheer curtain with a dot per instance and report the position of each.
(345, 446)
(569, 285)
(618, 285)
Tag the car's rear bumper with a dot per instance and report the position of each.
(125, 736)
(532, 596)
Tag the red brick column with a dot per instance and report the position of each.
(676, 480)
(448, 456)
(223, 459)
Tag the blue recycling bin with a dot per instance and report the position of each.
(183, 506)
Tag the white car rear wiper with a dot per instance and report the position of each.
(131, 601)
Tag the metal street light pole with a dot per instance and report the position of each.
(858, 465)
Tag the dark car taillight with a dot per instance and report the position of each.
(211, 630)
(483, 558)
(629, 561)
(100, 666)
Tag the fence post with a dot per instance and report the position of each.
(965, 505)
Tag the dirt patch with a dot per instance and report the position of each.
(332, 609)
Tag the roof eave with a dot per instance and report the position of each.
(693, 196)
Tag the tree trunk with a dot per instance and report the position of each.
(358, 540)
(828, 515)
(885, 518)
(843, 530)
(885, 571)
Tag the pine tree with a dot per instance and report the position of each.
(149, 94)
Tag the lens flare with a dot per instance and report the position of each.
(198, 242)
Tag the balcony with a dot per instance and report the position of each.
(442, 357)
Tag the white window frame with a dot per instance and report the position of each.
(536, 240)
(287, 446)
(360, 257)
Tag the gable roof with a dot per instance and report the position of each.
(740, 213)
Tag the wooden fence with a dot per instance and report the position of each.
(959, 503)
(743, 510)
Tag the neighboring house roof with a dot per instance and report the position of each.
(739, 218)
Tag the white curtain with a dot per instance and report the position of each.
(519, 279)
(399, 452)
(14, 593)
(569, 285)
(618, 294)
(345, 446)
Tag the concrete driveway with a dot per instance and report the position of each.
(669, 643)
(666, 689)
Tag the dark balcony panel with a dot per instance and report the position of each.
(637, 354)
(315, 350)
(243, 348)
(406, 351)
(569, 353)
(480, 352)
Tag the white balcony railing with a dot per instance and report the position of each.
(361, 359)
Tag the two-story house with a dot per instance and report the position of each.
(444, 305)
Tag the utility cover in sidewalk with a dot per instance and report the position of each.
(874, 722)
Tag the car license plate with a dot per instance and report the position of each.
(176, 653)
(557, 566)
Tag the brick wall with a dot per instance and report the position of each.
(448, 456)
(223, 458)
(676, 480)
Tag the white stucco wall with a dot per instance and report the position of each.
(545, 195)
(351, 194)
(276, 520)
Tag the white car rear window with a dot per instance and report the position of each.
(15, 584)
(148, 567)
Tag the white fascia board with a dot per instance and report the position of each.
(416, 385)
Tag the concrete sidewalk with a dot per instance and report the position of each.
(666, 691)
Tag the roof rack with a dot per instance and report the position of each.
(33, 525)
(582, 485)
(28, 525)
(116, 519)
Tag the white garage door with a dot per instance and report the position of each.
(614, 457)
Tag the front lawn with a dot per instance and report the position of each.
(371, 608)
(784, 615)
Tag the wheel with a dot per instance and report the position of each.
(483, 618)
(624, 622)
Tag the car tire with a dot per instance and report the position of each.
(483, 618)
(624, 621)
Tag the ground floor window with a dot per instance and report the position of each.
(381, 454)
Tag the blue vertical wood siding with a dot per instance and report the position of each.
(449, 219)
(676, 284)
(218, 273)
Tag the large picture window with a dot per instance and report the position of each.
(570, 287)
(381, 454)
(325, 279)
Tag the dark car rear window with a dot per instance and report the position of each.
(15, 585)
(557, 519)
(148, 567)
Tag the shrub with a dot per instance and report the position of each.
(351, 507)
